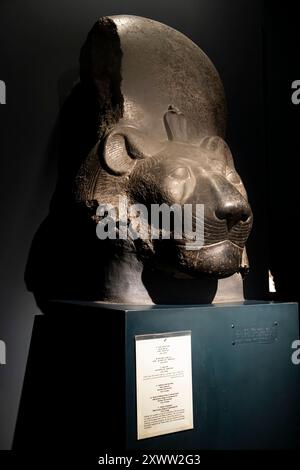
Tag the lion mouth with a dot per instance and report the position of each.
(216, 233)
(189, 245)
(217, 260)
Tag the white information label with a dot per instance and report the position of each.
(164, 383)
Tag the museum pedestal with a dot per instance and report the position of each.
(80, 388)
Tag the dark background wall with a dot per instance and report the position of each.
(39, 49)
(281, 69)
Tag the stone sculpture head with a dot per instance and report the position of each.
(160, 112)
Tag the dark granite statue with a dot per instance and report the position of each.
(144, 125)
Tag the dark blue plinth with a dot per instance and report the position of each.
(80, 379)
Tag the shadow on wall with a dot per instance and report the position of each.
(64, 259)
(62, 247)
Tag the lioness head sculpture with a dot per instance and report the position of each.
(160, 118)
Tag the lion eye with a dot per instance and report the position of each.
(181, 173)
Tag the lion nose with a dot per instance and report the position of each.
(234, 209)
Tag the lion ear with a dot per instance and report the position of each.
(123, 147)
(217, 146)
(116, 158)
